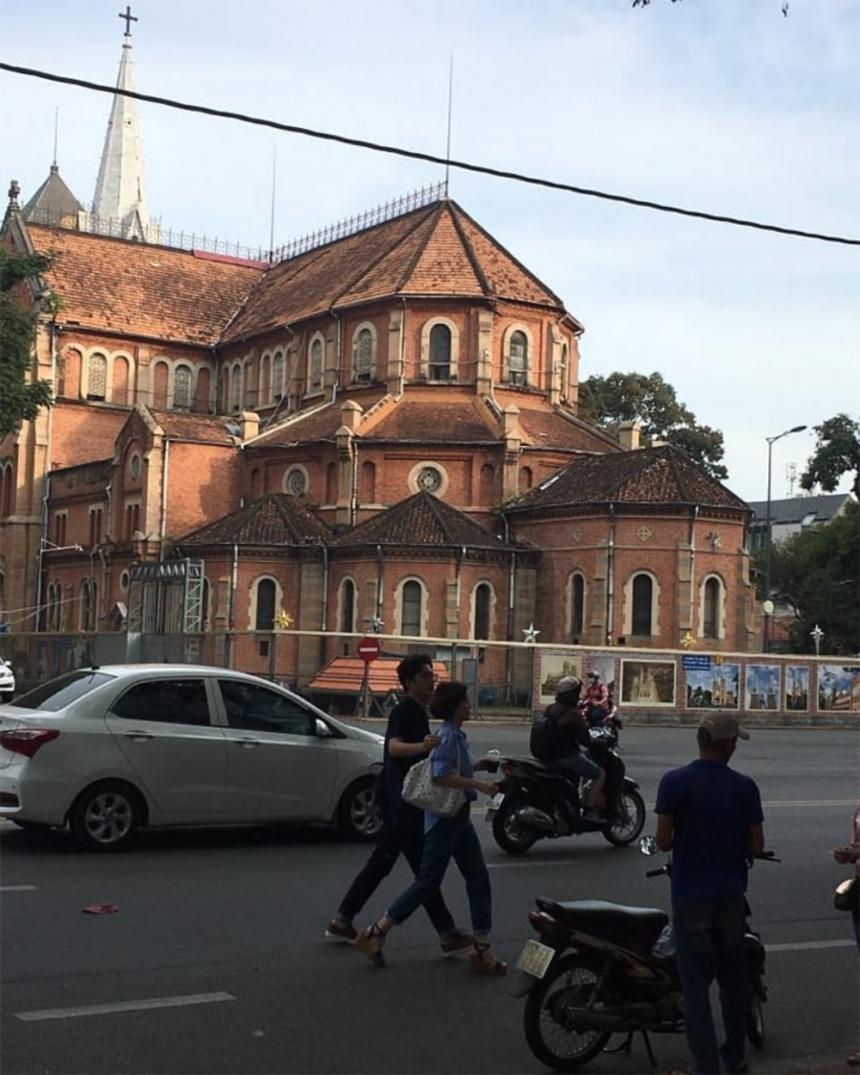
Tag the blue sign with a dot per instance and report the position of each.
(696, 662)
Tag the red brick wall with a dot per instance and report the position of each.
(203, 485)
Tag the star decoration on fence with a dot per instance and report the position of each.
(688, 641)
(530, 633)
(283, 620)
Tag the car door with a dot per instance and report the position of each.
(277, 764)
(164, 728)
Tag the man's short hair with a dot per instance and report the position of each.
(410, 666)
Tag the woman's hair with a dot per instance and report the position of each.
(446, 699)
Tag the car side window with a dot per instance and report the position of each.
(256, 708)
(169, 701)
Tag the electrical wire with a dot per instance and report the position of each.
(431, 158)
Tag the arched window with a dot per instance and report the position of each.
(347, 606)
(643, 592)
(315, 366)
(182, 388)
(265, 617)
(518, 358)
(277, 376)
(236, 388)
(440, 353)
(525, 478)
(202, 401)
(410, 608)
(96, 377)
(368, 483)
(88, 605)
(483, 605)
(563, 372)
(363, 370)
(711, 612)
(577, 605)
(119, 386)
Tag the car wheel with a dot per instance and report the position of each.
(106, 816)
(358, 815)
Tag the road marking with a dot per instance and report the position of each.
(810, 802)
(530, 864)
(807, 946)
(124, 1006)
(18, 888)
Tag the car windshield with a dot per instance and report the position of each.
(62, 691)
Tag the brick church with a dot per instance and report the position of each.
(376, 425)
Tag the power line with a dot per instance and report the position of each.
(431, 158)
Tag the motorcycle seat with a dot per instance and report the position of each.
(636, 928)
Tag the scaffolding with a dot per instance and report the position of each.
(166, 597)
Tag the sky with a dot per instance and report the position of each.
(720, 105)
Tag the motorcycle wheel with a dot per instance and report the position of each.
(510, 834)
(629, 819)
(755, 1022)
(570, 983)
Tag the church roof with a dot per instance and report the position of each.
(421, 519)
(197, 428)
(544, 427)
(455, 422)
(437, 250)
(52, 202)
(648, 476)
(275, 519)
(136, 289)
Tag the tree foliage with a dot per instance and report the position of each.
(837, 452)
(647, 398)
(817, 573)
(20, 400)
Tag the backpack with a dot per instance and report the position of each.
(542, 740)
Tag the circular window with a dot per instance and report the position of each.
(296, 481)
(429, 479)
(123, 581)
(134, 466)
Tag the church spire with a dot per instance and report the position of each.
(120, 200)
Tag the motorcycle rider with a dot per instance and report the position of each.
(597, 703)
(570, 742)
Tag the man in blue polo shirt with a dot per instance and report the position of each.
(710, 817)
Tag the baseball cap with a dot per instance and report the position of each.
(722, 726)
(567, 683)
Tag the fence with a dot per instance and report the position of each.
(504, 677)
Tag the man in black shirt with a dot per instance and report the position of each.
(407, 739)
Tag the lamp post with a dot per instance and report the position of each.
(767, 616)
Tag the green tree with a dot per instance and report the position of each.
(817, 573)
(647, 398)
(837, 452)
(20, 400)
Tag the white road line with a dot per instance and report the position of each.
(530, 864)
(124, 1006)
(808, 946)
(18, 888)
(809, 802)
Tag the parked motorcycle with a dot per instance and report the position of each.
(601, 968)
(534, 802)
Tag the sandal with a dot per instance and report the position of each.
(483, 961)
(369, 942)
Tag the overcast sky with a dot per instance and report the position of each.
(721, 105)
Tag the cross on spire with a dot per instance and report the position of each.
(129, 19)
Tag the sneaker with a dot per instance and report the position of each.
(369, 942)
(455, 940)
(341, 930)
(483, 961)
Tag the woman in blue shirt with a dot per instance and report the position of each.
(446, 838)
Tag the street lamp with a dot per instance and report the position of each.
(767, 615)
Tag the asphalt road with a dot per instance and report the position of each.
(222, 931)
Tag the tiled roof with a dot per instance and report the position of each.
(200, 428)
(421, 519)
(276, 519)
(549, 427)
(53, 200)
(434, 422)
(141, 290)
(347, 674)
(437, 250)
(797, 508)
(649, 476)
(321, 423)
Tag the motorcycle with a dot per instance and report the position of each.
(601, 968)
(535, 802)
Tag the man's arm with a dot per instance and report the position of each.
(665, 831)
(399, 748)
(755, 842)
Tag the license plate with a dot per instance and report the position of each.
(535, 958)
(493, 808)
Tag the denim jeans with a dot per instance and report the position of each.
(450, 838)
(402, 834)
(709, 942)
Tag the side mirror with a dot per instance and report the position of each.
(648, 846)
(322, 730)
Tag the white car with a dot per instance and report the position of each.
(7, 680)
(109, 750)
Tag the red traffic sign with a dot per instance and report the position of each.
(368, 649)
